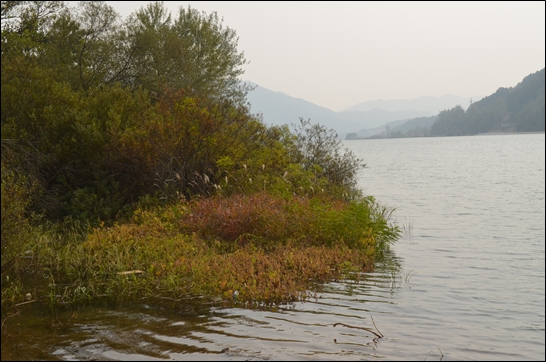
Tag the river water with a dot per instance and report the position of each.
(470, 287)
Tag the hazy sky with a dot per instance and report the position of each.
(337, 54)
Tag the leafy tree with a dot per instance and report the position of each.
(318, 149)
(28, 16)
(193, 52)
(175, 145)
(88, 46)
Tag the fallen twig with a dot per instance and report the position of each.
(379, 335)
(376, 327)
(9, 316)
(30, 301)
(131, 272)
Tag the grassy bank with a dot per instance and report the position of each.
(253, 248)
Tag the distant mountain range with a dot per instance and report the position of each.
(433, 105)
(279, 108)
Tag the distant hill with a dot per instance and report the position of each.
(515, 109)
(279, 108)
(369, 132)
(416, 123)
(433, 105)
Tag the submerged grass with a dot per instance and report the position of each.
(250, 248)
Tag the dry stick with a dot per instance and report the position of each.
(441, 353)
(9, 316)
(376, 327)
(30, 301)
(364, 328)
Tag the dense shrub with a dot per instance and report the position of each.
(319, 148)
(14, 214)
(125, 137)
(264, 220)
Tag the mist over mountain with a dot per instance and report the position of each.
(513, 109)
(278, 108)
(434, 105)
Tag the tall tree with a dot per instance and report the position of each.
(195, 52)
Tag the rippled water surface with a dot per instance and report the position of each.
(471, 285)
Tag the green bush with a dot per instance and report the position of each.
(264, 220)
(16, 226)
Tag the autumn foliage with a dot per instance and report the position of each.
(129, 144)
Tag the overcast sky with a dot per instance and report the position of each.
(337, 54)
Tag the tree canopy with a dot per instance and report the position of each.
(517, 109)
(100, 112)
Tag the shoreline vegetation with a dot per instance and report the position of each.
(256, 249)
(133, 171)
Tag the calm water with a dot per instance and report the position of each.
(471, 285)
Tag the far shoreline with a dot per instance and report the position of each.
(468, 135)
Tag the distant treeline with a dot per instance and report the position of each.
(515, 109)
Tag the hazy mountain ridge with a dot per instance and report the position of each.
(405, 128)
(278, 108)
(513, 109)
(425, 103)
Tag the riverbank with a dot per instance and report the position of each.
(254, 249)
